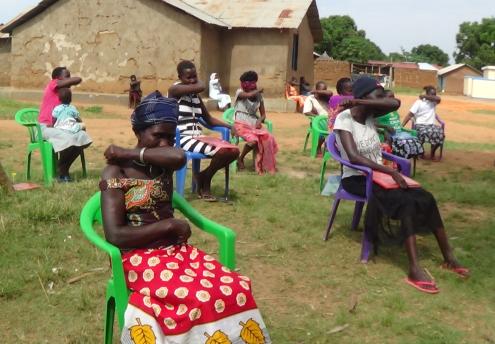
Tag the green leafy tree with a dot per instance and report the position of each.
(343, 40)
(429, 53)
(476, 43)
(358, 49)
(396, 57)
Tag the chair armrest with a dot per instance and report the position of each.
(404, 164)
(442, 123)
(222, 130)
(269, 125)
(90, 214)
(225, 236)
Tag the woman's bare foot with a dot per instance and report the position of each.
(203, 188)
(240, 164)
(455, 267)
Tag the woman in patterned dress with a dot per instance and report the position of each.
(178, 293)
(424, 113)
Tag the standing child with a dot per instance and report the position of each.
(248, 101)
(66, 115)
(135, 92)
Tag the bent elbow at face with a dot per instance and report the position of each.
(178, 158)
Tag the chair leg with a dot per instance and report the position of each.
(83, 163)
(109, 320)
(358, 210)
(415, 159)
(441, 151)
(306, 140)
(366, 247)
(48, 162)
(332, 218)
(323, 170)
(196, 166)
(28, 166)
(180, 179)
(227, 177)
(314, 144)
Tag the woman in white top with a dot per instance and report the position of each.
(416, 208)
(424, 113)
(215, 92)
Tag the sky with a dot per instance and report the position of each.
(391, 24)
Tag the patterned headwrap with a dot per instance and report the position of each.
(154, 109)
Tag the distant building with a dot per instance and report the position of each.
(481, 87)
(451, 78)
(5, 56)
(105, 42)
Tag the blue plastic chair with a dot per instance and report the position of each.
(195, 158)
(341, 194)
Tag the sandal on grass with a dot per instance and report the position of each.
(208, 198)
(460, 271)
(428, 287)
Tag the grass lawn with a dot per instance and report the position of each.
(308, 290)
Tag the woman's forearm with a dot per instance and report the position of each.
(126, 237)
(167, 157)
(407, 119)
(379, 106)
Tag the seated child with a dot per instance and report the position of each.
(403, 143)
(344, 92)
(66, 115)
(248, 101)
(292, 94)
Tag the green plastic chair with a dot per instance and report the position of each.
(29, 118)
(392, 119)
(228, 116)
(318, 126)
(308, 133)
(117, 294)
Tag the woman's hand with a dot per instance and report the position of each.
(180, 231)
(399, 179)
(348, 103)
(390, 130)
(233, 132)
(114, 154)
(258, 124)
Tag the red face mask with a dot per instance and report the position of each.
(248, 85)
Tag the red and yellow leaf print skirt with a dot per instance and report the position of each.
(182, 295)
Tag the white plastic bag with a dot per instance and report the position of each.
(331, 185)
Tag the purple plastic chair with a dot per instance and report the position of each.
(341, 194)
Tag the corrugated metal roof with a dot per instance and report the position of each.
(409, 65)
(282, 14)
(254, 13)
(426, 66)
(3, 35)
(450, 68)
(199, 13)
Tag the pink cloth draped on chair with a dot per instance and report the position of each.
(267, 147)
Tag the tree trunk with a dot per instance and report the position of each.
(5, 182)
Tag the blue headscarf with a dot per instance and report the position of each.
(154, 109)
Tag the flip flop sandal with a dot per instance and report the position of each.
(460, 271)
(208, 198)
(420, 285)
